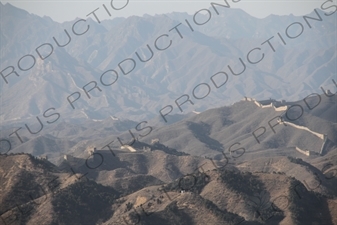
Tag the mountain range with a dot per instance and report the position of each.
(291, 71)
(233, 123)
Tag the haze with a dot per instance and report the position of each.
(61, 11)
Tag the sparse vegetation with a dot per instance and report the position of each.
(191, 183)
(241, 182)
(171, 151)
(83, 202)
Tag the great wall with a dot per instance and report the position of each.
(262, 104)
(270, 105)
(283, 108)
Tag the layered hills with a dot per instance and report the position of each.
(202, 132)
(143, 191)
(184, 173)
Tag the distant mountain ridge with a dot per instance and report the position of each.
(308, 60)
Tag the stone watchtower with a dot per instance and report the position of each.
(92, 151)
(154, 141)
(94, 156)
